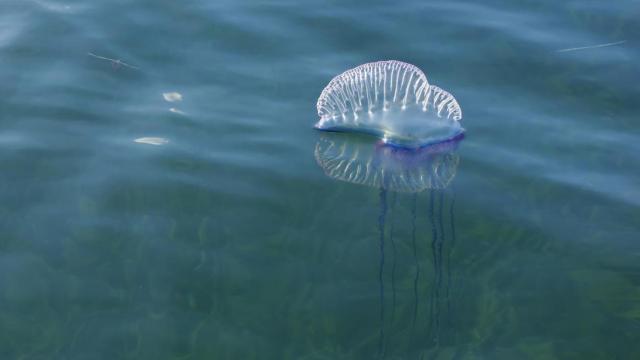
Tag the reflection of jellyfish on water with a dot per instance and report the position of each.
(419, 131)
(397, 171)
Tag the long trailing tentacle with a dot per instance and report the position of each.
(381, 229)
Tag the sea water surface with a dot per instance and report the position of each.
(160, 197)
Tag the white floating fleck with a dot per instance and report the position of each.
(172, 96)
(151, 140)
(177, 111)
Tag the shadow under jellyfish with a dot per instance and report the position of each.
(419, 132)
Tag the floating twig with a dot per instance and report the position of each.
(593, 46)
(115, 62)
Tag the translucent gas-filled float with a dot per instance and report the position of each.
(392, 100)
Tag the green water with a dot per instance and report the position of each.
(229, 241)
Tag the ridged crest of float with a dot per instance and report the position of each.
(382, 166)
(390, 99)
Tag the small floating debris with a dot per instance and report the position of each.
(172, 96)
(592, 46)
(151, 141)
(177, 111)
(115, 62)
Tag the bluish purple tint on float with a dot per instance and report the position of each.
(392, 100)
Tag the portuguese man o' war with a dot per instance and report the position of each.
(392, 100)
(419, 127)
